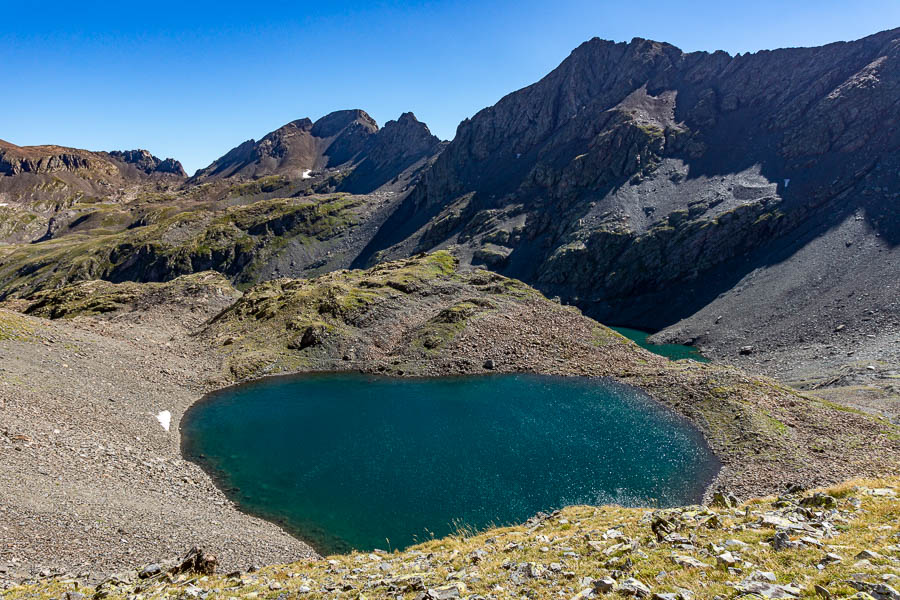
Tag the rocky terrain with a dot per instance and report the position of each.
(838, 543)
(88, 477)
(90, 480)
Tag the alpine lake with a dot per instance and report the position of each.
(351, 461)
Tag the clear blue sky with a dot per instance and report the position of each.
(191, 80)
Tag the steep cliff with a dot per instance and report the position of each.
(642, 183)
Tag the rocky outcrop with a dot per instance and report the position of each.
(15, 160)
(148, 163)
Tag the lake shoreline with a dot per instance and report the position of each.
(217, 447)
(80, 395)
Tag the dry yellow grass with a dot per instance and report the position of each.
(567, 554)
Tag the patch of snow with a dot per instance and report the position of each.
(787, 182)
(165, 419)
(4, 203)
(306, 174)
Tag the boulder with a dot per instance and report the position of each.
(196, 561)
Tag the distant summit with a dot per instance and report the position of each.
(345, 138)
(148, 163)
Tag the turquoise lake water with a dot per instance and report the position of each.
(354, 461)
(670, 351)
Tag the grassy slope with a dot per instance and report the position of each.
(570, 553)
(169, 241)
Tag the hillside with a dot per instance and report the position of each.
(303, 200)
(836, 543)
(40, 185)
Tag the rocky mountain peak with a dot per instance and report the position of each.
(407, 135)
(334, 123)
(344, 137)
(146, 162)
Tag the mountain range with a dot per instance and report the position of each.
(748, 204)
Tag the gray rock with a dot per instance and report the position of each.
(150, 571)
(726, 559)
(690, 562)
(879, 591)
(770, 590)
(447, 592)
(604, 585)
(633, 587)
(820, 500)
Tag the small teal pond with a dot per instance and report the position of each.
(670, 351)
(351, 461)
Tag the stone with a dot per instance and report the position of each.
(775, 522)
(782, 541)
(745, 350)
(689, 561)
(489, 364)
(726, 559)
(196, 561)
(878, 591)
(633, 587)
(313, 335)
(447, 592)
(724, 499)
(604, 585)
(770, 590)
(406, 583)
(150, 571)
(476, 556)
(822, 591)
(761, 576)
(868, 555)
(820, 500)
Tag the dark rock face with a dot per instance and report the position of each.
(641, 182)
(400, 145)
(348, 140)
(148, 163)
